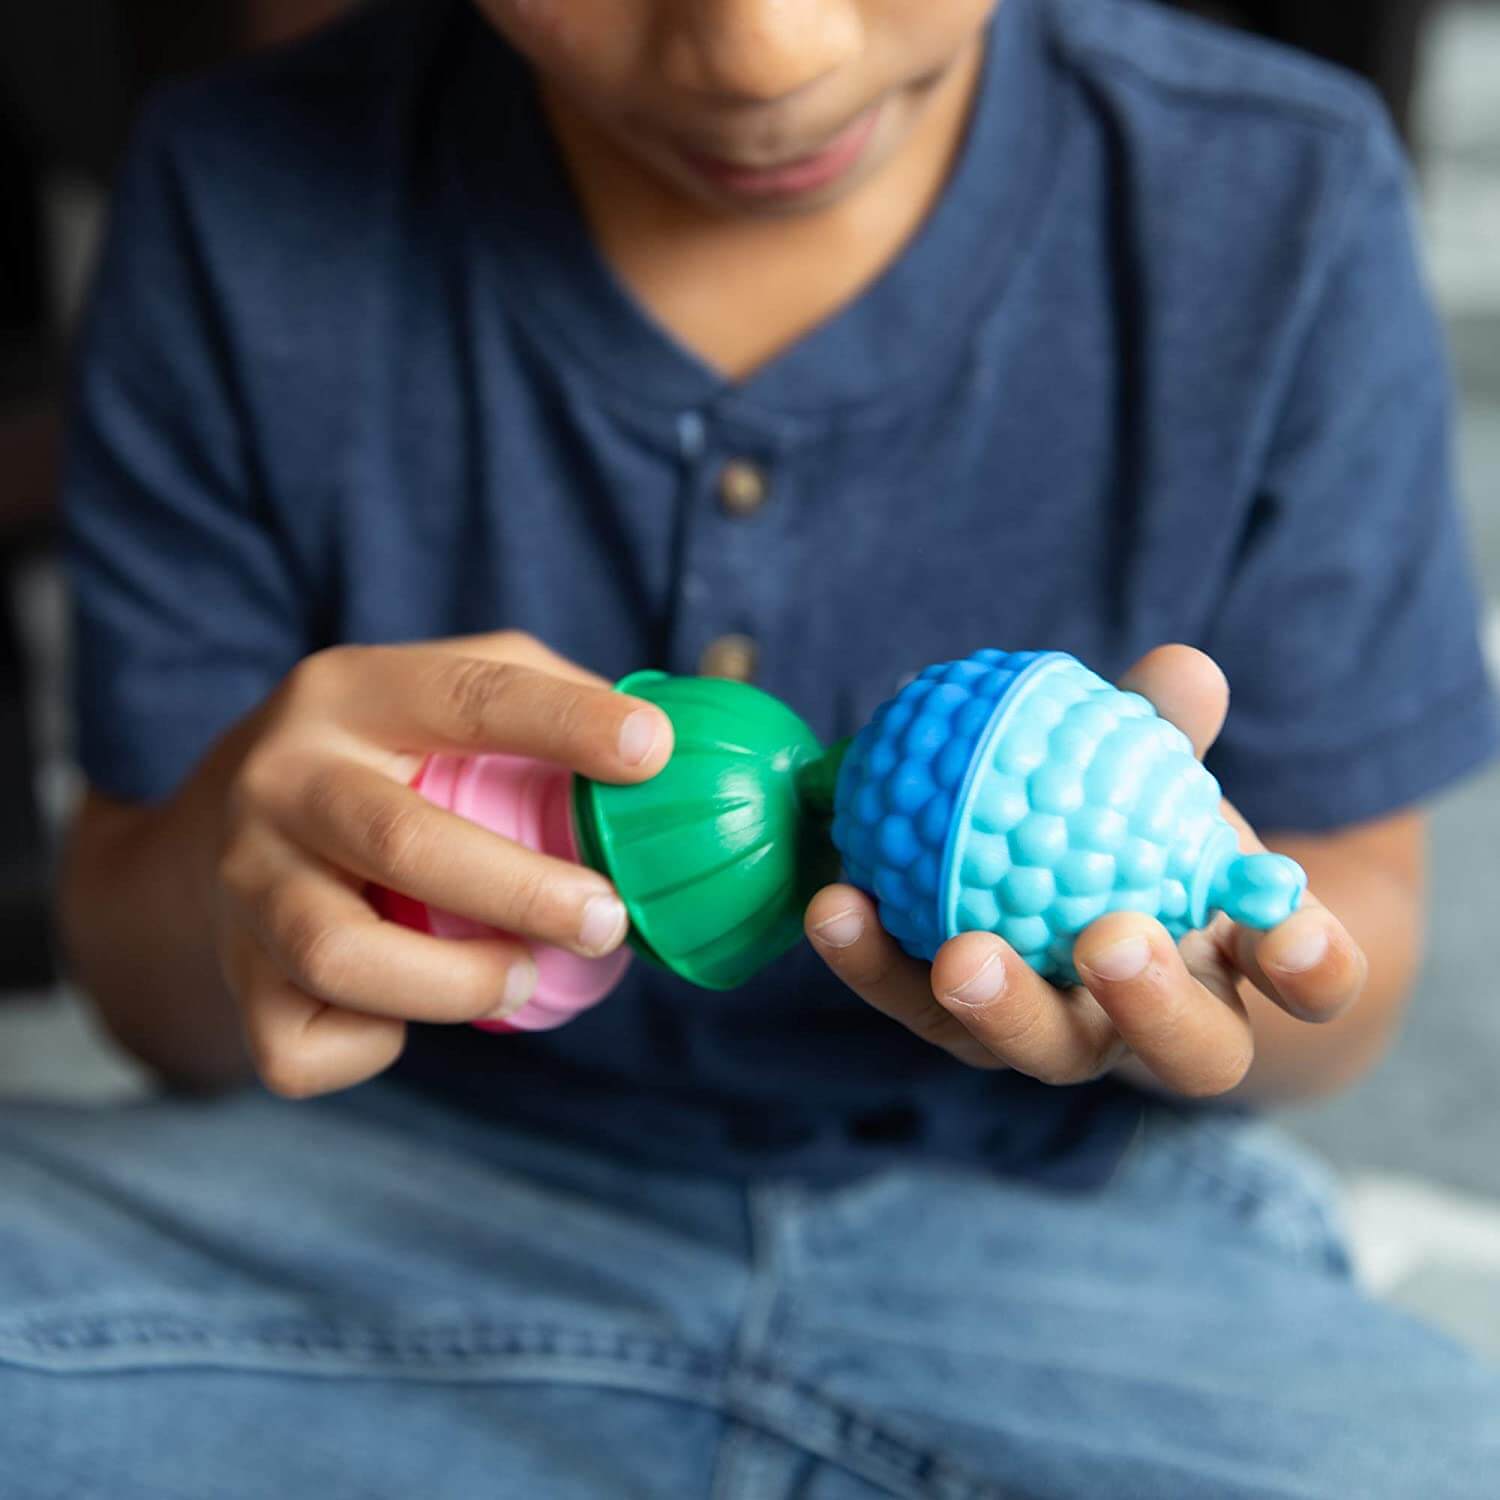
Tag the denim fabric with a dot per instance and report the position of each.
(375, 1296)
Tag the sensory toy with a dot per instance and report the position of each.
(1010, 792)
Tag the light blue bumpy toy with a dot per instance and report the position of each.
(1020, 793)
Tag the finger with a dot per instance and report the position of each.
(440, 700)
(1030, 1025)
(843, 927)
(300, 1045)
(524, 649)
(1186, 688)
(1309, 965)
(1196, 1040)
(327, 942)
(364, 823)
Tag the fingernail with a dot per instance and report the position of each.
(1123, 960)
(637, 736)
(603, 924)
(520, 985)
(980, 988)
(842, 931)
(1304, 950)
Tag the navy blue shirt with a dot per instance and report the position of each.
(1160, 366)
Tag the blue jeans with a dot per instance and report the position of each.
(371, 1296)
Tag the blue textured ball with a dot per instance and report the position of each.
(1022, 794)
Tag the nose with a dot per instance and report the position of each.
(756, 51)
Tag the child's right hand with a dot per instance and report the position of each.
(315, 806)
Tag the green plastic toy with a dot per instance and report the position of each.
(717, 856)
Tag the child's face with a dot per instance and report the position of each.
(748, 106)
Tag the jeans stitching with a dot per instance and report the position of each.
(735, 1466)
(822, 1427)
(455, 1343)
(855, 1440)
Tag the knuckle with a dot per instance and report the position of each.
(316, 953)
(866, 969)
(973, 1054)
(393, 837)
(324, 797)
(1159, 1026)
(315, 673)
(383, 829)
(257, 791)
(1218, 1075)
(932, 1024)
(287, 1073)
(532, 904)
(279, 1062)
(1013, 1025)
(468, 689)
(234, 869)
(868, 964)
(1053, 1071)
(474, 988)
(1108, 1052)
(1058, 1064)
(571, 716)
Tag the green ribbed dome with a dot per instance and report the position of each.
(718, 855)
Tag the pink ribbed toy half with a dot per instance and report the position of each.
(528, 802)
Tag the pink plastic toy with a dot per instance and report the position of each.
(528, 802)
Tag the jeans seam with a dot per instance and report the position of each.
(839, 1433)
(736, 1470)
(757, 1318)
(801, 1415)
(457, 1342)
(753, 1330)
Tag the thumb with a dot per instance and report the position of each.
(1186, 688)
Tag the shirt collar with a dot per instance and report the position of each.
(517, 198)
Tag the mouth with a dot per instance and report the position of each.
(794, 177)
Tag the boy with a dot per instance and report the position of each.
(812, 343)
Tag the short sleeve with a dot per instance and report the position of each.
(185, 609)
(1350, 630)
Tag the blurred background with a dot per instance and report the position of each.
(1418, 1143)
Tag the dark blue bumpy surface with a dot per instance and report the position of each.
(901, 783)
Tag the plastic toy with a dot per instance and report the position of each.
(1020, 793)
(1011, 792)
(528, 801)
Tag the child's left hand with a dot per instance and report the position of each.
(1177, 1008)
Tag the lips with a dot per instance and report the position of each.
(804, 174)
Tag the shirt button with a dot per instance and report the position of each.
(731, 656)
(742, 487)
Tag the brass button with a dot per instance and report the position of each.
(731, 656)
(742, 487)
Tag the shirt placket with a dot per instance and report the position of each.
(734, 562)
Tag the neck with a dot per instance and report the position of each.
(791, 272)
